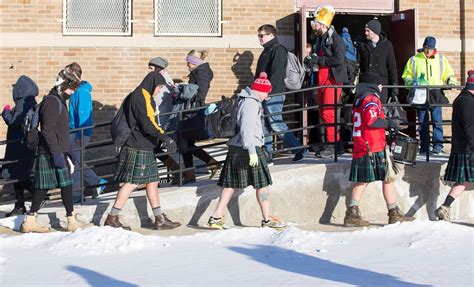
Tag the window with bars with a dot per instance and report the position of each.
(188, 17)
(97, 17)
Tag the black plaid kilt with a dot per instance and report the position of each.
(237, 173)
(362, 169)
(460, 168)
(136, 166)
(46, 176)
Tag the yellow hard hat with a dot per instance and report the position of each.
(324, 14)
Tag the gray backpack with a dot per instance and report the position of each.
(294, 72)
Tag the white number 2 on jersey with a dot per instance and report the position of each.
(356, 132)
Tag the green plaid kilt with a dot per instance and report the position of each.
(136, 166)
(460, 168)
(237, 173)
(46, 176)
(362, 169)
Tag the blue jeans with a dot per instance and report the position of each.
(90, 178)
(275, 123)
(437, 118)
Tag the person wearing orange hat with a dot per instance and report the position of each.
(245, 163)
(460, 168)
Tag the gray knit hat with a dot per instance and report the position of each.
(375, 26)
(158, 62)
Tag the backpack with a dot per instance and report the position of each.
(295, 73)
(222, 123)
(119, 128)
(30, 125)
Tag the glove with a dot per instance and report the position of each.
(253, 160)
(58, 160)
(393, 126)
(451, 82)
(7, 108)
(169, 143)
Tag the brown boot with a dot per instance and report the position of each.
(163, 222)
(353, 218)
(214, 166)
(73, 223)
(30, 225)
(113, 221)
(395, 215)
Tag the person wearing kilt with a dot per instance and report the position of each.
(137, 164)
(460, 168)
(51, 170)
(245, 163)
(368, 159)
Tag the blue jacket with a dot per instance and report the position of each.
(350, 50)
(80, 109)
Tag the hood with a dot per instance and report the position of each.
(23, 88)
(247, 93)
(150, 82)
(85, 85)
(363, 90)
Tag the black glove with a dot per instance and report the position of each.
(58, 160)
(393, 126)
(169, 143)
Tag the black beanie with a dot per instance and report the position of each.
(374, 26)
(372, 78)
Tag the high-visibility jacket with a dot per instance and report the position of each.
(437, 70)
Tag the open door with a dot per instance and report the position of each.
(404, 36)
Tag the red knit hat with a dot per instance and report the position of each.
(470, 80)
(262, 84)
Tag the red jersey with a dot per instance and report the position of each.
(363, 116)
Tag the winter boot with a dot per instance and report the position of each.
(113, 221)
(353, 218)
(30, 225)
(443, 213)
(163, 222)
(395, 215)
(74, 223)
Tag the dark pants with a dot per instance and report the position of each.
(66, 196)
(199, 153)
(19, 188)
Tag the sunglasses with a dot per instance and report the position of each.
(262, 35)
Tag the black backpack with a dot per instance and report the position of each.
(223, 122)
(119, 128)
(30, 125)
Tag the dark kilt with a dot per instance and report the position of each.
(460, 168)
(136, 166)
(362, 169)
(237, 173)
(46, 176)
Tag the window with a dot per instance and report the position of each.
(93, 17)
(188, 17)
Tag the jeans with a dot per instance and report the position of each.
(89, 175)
(436, 117)
(275, 123)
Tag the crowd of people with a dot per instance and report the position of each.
(331, 60)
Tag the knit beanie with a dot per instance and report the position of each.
(429, 43)
(470, 80)
(262, 84)
(374, 26)
(158, 62)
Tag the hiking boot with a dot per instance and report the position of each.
(353, 218)
(113, 221)
(395, 215)
(17, 210)
(273, 222)
(217, 223)
(30, 225)
(163, 222)
(73, 223)
(443, 213)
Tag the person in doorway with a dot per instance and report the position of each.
(137, 163)
(460, 168)
(245, 163)
(328, 59)
(368, 158)
(24, 92)
(436, 70)
(376, 55)
(273, 61)
(51, 168)
(81, 116)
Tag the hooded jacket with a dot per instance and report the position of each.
(249, 121)
(202, 76)
(273, 61)
(463, 123)
(80, 109)
(24, 92)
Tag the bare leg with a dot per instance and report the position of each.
(388, 192)
(457, 189)
(152, 194)
(263, 198)
(123, 194)
(358, 190)
(226, 195)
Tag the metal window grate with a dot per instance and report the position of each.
(188, 17)
(93, 17)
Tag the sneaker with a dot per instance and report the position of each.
(443, 213)
(353, 218)
(301, 155)
(273, 222)
(217, 223)
(100, 189)
(395, 215)
(437, 152)
(17, 210)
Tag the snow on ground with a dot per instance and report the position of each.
(420, 253)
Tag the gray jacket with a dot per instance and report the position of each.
(249, 121)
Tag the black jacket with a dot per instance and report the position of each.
(202, 76)
(273, 61)
(24, 92)
(463, 123)
(140, 114)
(54, 136)
(334, 52)
(380, 60)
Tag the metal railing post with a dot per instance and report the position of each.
(81, 166)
